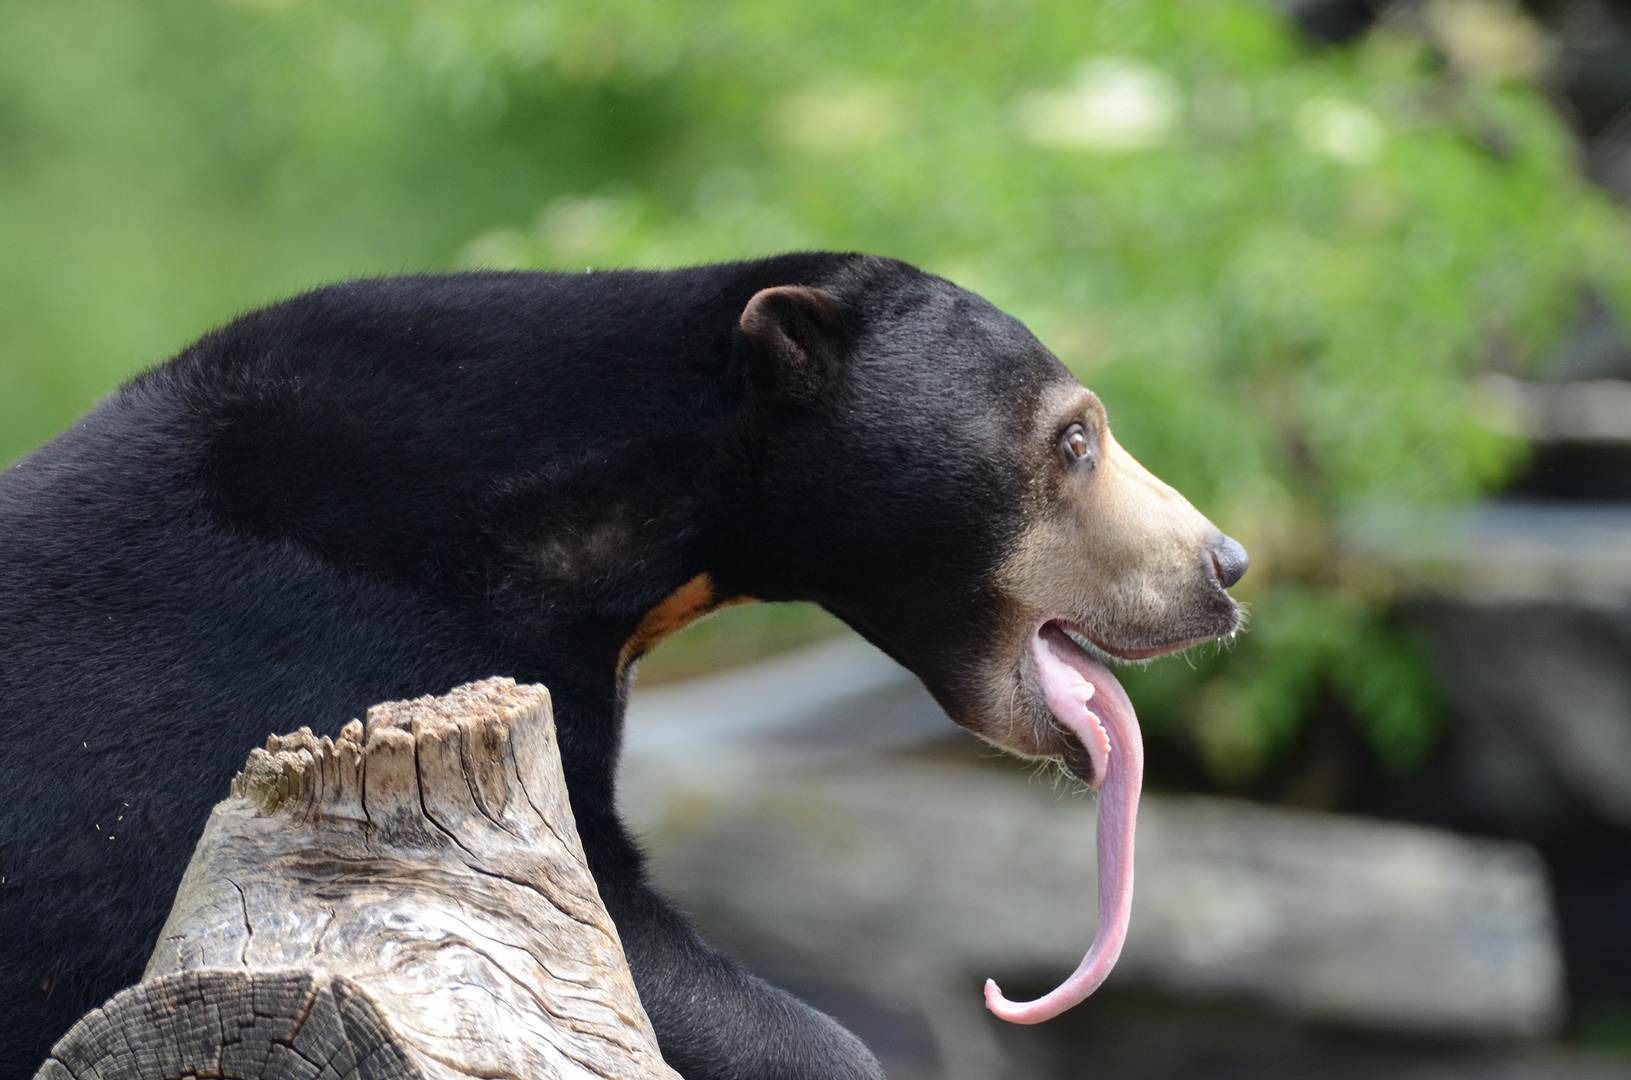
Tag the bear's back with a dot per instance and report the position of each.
(144, 648)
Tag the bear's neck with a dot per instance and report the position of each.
(579, 482)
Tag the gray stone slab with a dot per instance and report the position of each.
(831, 842)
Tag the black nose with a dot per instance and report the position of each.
(1230, 560)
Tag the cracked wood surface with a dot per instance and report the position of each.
(409, 900)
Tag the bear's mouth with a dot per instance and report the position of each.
(1078, 690)
(1087, 701)
(1091, 644)
(1071, 667)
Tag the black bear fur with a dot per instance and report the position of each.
(385, 488)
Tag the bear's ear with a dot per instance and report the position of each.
(795, 335)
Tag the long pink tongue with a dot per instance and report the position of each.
(1118, 817)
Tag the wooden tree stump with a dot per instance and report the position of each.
(410, 900)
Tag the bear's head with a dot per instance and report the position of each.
(934, 476)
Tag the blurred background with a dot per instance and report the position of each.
(1353, 276)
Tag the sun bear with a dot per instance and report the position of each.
(386, 488)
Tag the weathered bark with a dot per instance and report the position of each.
(410, 900)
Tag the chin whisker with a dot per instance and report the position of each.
(1066, 781)
(1013, 704)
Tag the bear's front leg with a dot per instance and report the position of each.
(714, 1020)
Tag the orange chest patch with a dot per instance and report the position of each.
(679, 609)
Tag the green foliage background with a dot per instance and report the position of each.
(1280, 266)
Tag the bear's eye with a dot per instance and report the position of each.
(1074, 445)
